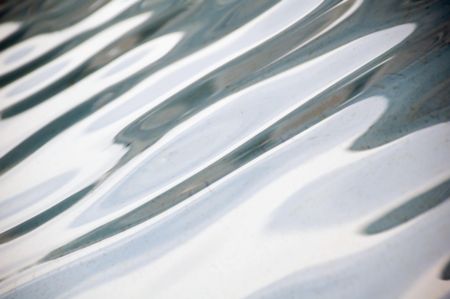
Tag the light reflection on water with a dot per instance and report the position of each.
(224, 149)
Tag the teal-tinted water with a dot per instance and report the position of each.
(224, 149)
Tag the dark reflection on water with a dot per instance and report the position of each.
(445, 275)
(43, 217)
(338, 278)
(178, 229)
(350, 200)
(12, 205)
(38, 18)
(227, 80)
(231, 84)
(287, 127)
(411, 209)
(122, 45)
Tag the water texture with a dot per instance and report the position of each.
(224, 149)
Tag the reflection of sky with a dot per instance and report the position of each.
(285, 148)
(182, 153)
(69, 61)
(23, 53)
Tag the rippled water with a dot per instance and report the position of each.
(224, 149)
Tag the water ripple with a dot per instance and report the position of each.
(224, 148)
